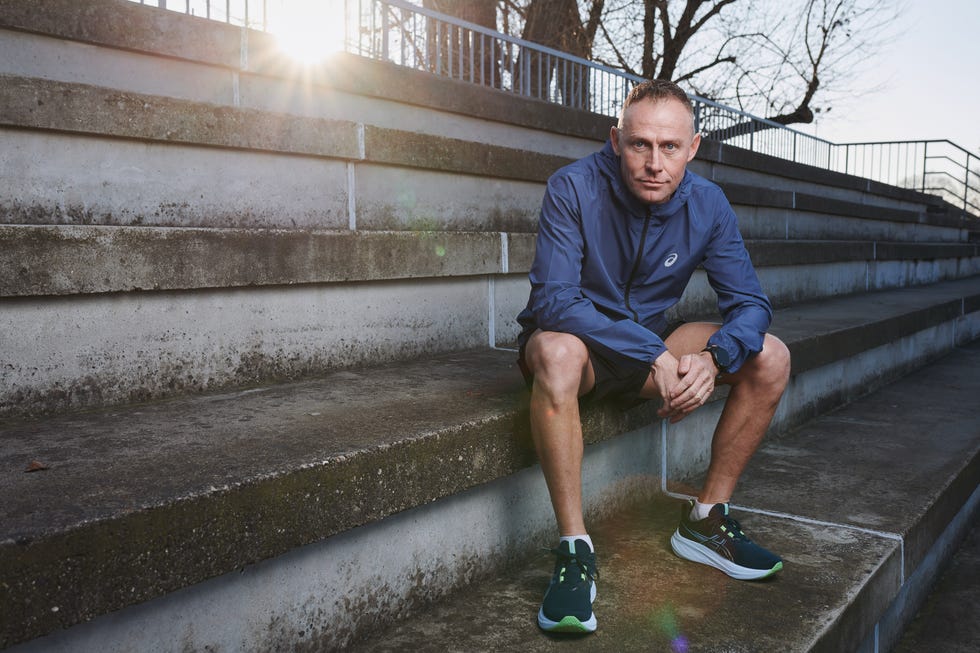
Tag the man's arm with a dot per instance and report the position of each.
(744, 306)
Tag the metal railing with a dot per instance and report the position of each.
(246, 13)
(938, 167)
(409, 35)
(415, 37)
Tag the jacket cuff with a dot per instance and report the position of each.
(736, 352)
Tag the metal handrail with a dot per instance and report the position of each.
(406, 34)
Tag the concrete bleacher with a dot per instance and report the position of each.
(257, 325)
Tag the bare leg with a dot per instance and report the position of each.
(562, 373)
(755, 392)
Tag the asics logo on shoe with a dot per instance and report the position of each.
(715, 542)
(670, 260)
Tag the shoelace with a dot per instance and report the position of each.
(585, 562)
(731, 527)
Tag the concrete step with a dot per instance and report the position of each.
(197, 310)
(143, 501)
(62, 132)
(62, 260)
(767, 212)
(856, 502)
(946, 621)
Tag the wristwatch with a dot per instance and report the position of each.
(720, 357)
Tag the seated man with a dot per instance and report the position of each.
(620, 235)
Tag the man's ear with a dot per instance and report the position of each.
(694, 146)
(614, 139)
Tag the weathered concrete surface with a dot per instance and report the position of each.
(391, 567)
(826, 331)
(160, 496)
(125, 26)
(510, 294)
(82, 108)
(83, 259)
(840, 499)
(50, 57)
(947, 621)
(792, 196)
(294, 447)
(376, 93)
(56, 178)
(920, 583)
(650, 600)
(45, 104)
(87, 109)
(406, 198)
(907, 476)
(778, 223)
(38, 261)
(156, 497)
(253, 59)
(64, 353)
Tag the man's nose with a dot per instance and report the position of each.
(654, 162)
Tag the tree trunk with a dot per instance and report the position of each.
(462, 53)
(556, 24)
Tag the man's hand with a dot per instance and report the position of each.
(684, 384)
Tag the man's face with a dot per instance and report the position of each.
(655, 143)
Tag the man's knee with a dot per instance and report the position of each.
(550, 353)
(772, 364)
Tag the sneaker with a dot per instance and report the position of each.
(567, 605)
(718, 540)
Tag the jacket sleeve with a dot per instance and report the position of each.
(558, 300)
(744, 307)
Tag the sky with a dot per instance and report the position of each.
(927, 82)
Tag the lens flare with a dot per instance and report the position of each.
(308, 30)
(666, 621)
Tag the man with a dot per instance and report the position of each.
(621, 232)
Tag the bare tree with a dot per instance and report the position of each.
(810, 62)
(784, 59)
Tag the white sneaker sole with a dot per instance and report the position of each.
(694, 552)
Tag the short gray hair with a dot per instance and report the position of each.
(657, 90)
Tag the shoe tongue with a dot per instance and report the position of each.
(719, 510)
(581, 546)
(576, 546)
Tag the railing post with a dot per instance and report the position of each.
(925, 158)
(966, 183)
(384, 33)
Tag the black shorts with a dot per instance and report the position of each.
(616, 377)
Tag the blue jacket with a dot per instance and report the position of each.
(608, 266)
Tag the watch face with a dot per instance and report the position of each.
(721, 357)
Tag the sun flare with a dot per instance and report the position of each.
(308, 30)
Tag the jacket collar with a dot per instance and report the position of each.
(610, 167)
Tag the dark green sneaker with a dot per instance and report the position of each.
(719, 541)
(567, 605)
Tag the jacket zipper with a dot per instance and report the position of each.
(636, 268)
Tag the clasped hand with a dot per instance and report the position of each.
(684, 384)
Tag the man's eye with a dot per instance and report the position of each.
(639, 145)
